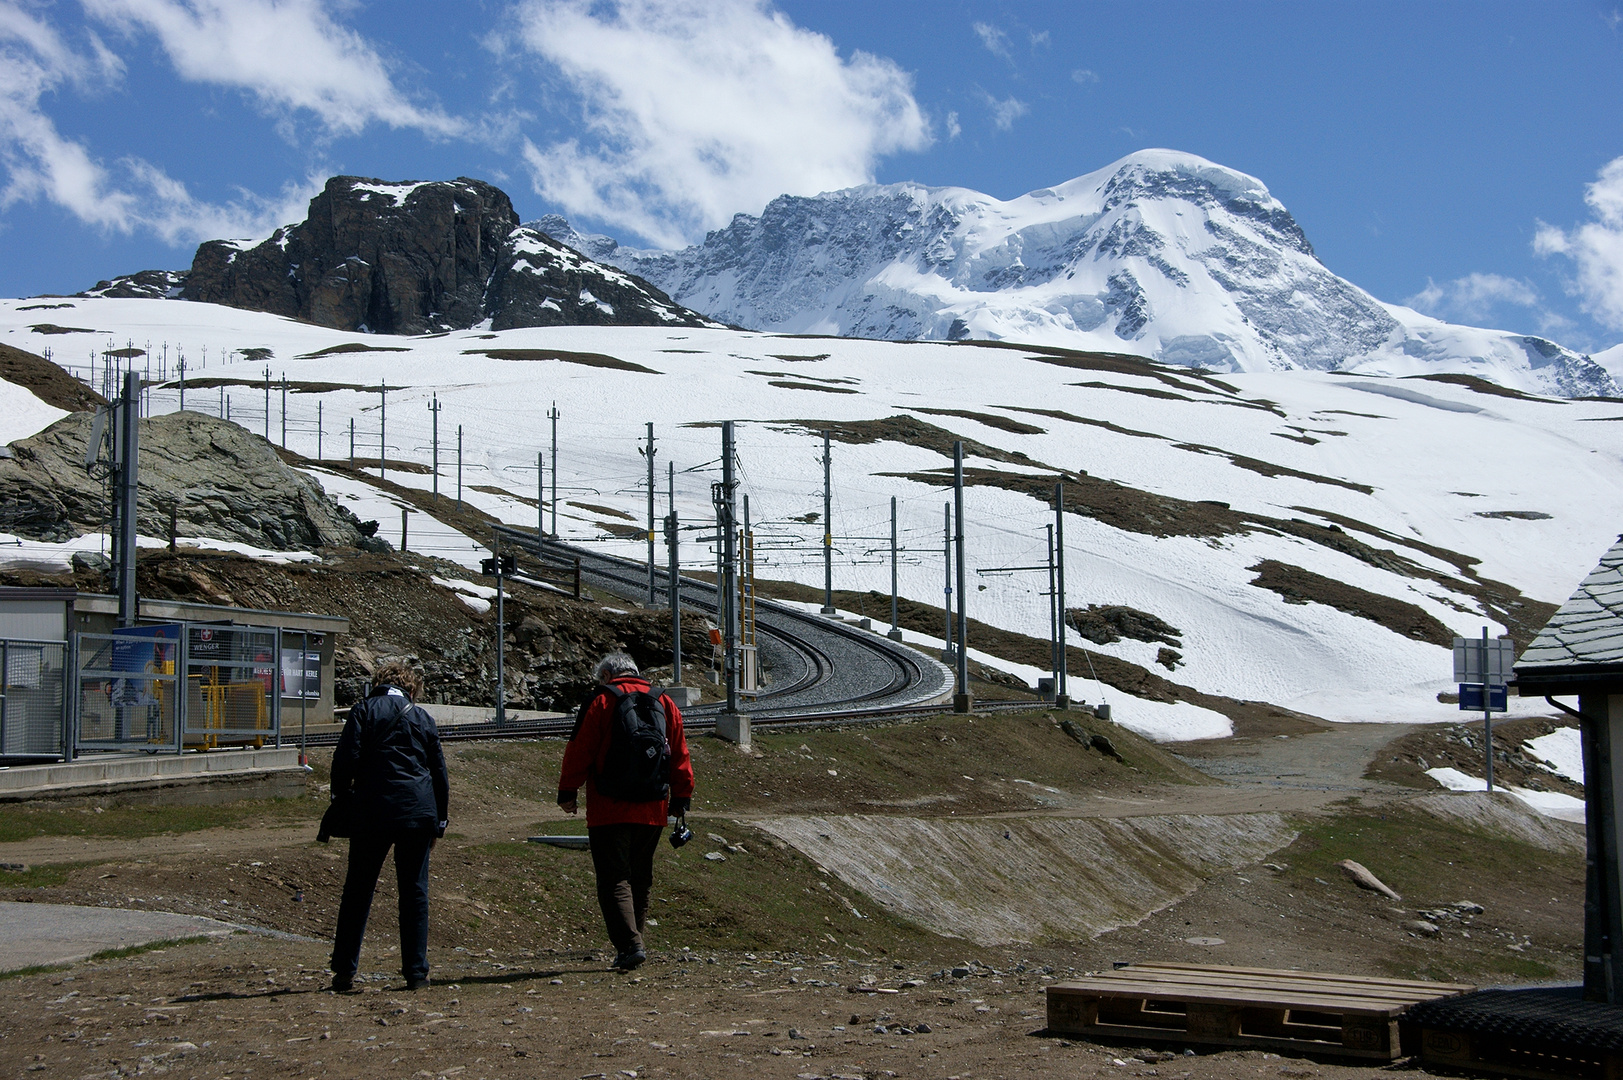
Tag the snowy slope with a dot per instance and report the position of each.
(1161, 254)
(1391, 486)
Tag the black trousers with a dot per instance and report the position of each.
(623, 858)
(366, 855)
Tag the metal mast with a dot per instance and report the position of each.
(828, 532)
(961, 700)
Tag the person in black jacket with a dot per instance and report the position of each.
(389, 764)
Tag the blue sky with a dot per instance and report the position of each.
(1466, 158)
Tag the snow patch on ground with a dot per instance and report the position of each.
(1562, 752)
(1549, 803)
(18, 552)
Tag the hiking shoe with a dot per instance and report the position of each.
(628, 961)
(417, 984)
(342, 984)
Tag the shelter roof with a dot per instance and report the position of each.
(1583, 641)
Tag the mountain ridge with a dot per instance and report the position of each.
(1162, 253)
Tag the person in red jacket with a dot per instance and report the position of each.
(624, 831)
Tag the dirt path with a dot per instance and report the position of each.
(1330, 760)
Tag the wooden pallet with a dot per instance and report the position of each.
(1250, 1007)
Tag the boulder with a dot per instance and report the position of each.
(221, 481)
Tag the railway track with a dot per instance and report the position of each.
(824, 672)
(817, 664)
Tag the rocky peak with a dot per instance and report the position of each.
(421, 257)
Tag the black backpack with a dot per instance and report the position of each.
(638, 765)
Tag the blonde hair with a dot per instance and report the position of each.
(402, 676)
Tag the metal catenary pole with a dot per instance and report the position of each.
(383, 422)
(267, 403)
(672, 541)
(320, 429)
(1062, 691)
(183, 384)
(459, 466)
(434, 440)
(895, 627)
(729, 562)
(553, 415)
(650, 456)
(501, 643)
(284, 410)
(828, 531)
(1487, 712)
(352, 442)
(1053, 614)
(540, 497)
(961, 701)
(946, 590)
(128, 483)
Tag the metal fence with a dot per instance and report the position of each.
(33, 701)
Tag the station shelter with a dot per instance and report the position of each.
(185, 677)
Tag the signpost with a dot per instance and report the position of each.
(1483, 669)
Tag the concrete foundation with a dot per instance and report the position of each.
(192, 778)
(735, 728)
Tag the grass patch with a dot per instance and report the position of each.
(763, 897)
(37, 877)
(107, 954)
(134, 822)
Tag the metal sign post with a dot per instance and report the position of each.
(1482, 668)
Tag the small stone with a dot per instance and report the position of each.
(960, 972)
(922, 1029)
(1422, 927)
(714, 856)
(1466, 907)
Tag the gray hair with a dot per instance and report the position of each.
(613, 666)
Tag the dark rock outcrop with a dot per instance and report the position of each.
(222, 482)
(145, 285)
(415, 258)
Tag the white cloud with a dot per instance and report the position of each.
(995, 40)
(1473, 298)
(695, 111)
(1083, 76)
(1039, 37)
(40, 162)
(954, 128)
(289, 54)
(1006, 111)
(1595, 248)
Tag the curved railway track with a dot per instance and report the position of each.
(824, 672)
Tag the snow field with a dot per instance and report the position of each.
(1417, 451)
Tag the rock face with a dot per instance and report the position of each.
(222, 481)
(1161, 254)
(416, 258)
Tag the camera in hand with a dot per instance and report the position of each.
(680, 833)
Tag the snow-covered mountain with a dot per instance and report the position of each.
(1162, 254)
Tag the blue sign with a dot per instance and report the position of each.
(1471, 698)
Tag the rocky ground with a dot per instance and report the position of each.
(763, 963)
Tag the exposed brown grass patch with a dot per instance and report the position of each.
(352, 347)
(46, 381)
(1299, 586)
(588, 359)
(1002, 423)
